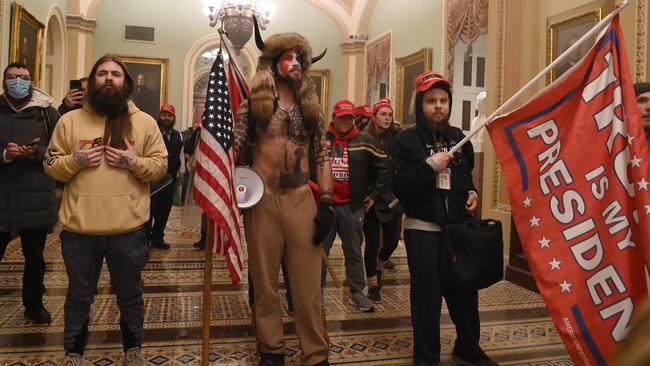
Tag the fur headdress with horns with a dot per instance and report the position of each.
(262, 99)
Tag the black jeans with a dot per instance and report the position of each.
(391, 231)
(161, 206)
(423, 253)
(83, 255)
(33, 244)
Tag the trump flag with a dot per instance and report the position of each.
(576, 163)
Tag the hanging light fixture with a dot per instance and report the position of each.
(236, 17)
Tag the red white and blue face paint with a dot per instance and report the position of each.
(290, 61)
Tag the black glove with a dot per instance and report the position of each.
(324, 220)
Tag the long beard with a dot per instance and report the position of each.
(439, 128)
(110, 102)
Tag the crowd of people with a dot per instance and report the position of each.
(374, 183)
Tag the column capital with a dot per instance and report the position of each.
(353, 47)
(80, 23)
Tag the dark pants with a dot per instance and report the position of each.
(33, 244)
(83, 255)
(374, 249)
(423, 253)
(161, 206)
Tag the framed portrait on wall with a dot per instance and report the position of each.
(564, 30)
(378, 60)
(408, 68)
(150, 77)
(321, 79)
(26, 40)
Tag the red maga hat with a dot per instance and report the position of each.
(168, 108)
(364, 110)
(344, 108)
(427, 79)
(381, 103)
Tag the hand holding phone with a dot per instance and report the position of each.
(29, 149)
(75, 95)
(75, 84)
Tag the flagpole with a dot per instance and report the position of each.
(542, 74)
(207, 293)
(228, 45)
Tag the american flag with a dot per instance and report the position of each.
(213, 181)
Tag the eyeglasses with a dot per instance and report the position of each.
(14, 76)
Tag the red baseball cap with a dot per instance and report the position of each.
(364, 110)
(344, 108)
(427, 79)
(381, 103)
(168, 108)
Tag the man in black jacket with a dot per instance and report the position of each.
(435, 187)
(360, 176)
(27, 200)
(161, 201)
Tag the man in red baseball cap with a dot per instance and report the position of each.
(362, 116)
(161, 201)
(360, 175)
(436, 188)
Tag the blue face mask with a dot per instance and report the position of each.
(18, 88)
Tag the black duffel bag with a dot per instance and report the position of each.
(472, 254)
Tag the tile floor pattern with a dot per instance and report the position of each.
(516, 329)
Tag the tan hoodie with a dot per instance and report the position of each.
(104, 200)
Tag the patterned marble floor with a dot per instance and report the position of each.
(516, 329)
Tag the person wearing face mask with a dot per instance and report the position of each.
(161, 202)
(27, 200)
(382, 226)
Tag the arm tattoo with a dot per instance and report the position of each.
(241, 130)
(81, 159)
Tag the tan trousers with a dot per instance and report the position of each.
(283, 225)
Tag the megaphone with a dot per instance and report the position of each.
(249, 186)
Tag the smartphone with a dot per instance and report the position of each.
(32, 144)
(75, 84)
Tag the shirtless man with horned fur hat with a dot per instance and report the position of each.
(284, 120)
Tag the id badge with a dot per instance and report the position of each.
(444, 179)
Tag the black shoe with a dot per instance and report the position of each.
(271, 359)
(160, 245)
(374, 294)
(199, 245)
(389, 264)
(38, 316)
(481, 362)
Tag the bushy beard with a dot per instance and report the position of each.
(165, 126)
(110, 102)
(440, 127)
(288, 79)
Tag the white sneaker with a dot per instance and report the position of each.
(73, 359)
(133, 357)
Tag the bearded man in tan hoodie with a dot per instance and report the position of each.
(106, 153)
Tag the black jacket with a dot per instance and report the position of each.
(174, 144)
(369, 169)
(414, 180)
(27, 199)
(383, 212)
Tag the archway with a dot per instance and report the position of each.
(53, 81)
